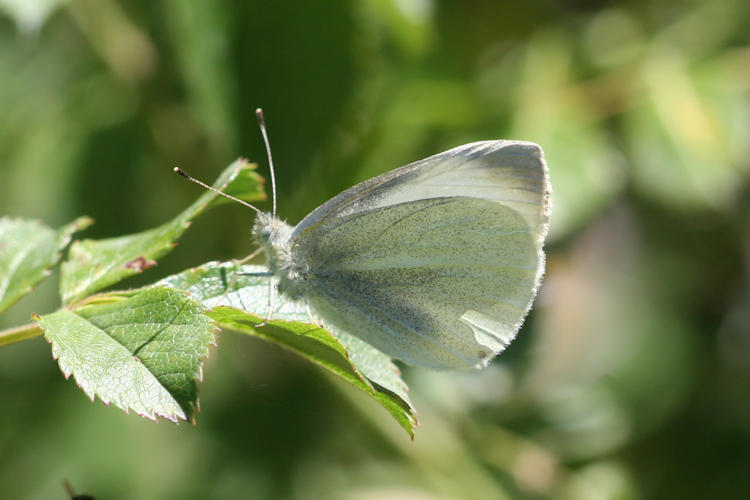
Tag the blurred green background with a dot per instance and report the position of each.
(631, 378)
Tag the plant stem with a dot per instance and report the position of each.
(19, 333)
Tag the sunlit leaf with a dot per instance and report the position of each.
(140, 351)
(239, 298)
(28, 249)
(95, 264)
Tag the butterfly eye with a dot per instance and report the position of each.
(265, 234)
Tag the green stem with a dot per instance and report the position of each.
(19, 333)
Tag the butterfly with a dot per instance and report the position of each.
(435, 263)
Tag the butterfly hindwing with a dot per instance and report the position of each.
(440, 282)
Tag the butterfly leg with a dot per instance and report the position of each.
(249, 257)
(270, 305)
(310, 316)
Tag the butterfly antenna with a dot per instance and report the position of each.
(262, 125)
(181, 172)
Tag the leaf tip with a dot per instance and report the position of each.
(82, 223)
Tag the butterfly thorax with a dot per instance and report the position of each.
(274, 235)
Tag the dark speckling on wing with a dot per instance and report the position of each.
(403, 276)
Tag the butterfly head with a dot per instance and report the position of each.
(273, 235)
(269, 230)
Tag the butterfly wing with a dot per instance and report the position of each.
(435, 263)
(512, 173)
(440, 282)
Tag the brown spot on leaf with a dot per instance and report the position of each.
(140, 264)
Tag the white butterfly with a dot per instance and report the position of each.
(435, 263)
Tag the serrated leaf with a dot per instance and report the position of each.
(95, 264)
(28, 249)
(322, 348)
(140, 351)
(239, 298)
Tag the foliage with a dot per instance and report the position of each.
(630, 378)
(141, 350)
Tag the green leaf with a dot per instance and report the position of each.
(28, 249)
(95, 264)
(139, 350)
(239, 298)
(322, 348)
